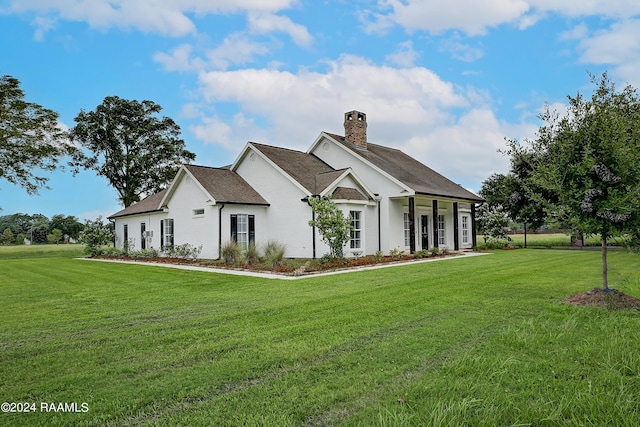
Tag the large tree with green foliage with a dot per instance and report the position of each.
(511, 193)
(588, 162)
(138, 152)
(332, 224)
(67, 224)
(31, 140)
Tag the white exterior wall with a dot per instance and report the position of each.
(259, 212)
(286, 219)
(152, 222)
(193, 229)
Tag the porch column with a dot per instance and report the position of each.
(412, 227)
(435, 222)
(456, 243)
(473, 225)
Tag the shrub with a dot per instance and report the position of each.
(230, 252)
(20, 239)
(251, 256)
(396, 252)
(187, 251)
(434, 251)
(111, 251)
(144, 253)
(274, 253)
(128, 244)
(168, 251)
(421, 254)
(95, 235)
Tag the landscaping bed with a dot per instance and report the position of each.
(290, 266)
(611, 299)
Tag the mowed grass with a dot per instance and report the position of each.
(41, 251)
(469, 341)
(547, 240)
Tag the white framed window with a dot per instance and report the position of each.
(243, 229)
(407, 230)
(355, 242)
(442, 235)
(167, 232)
(198, 212)
(465, 229)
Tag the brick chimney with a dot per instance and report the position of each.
(355, 128)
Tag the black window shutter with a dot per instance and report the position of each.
(234, 228)
(161, 233)
(252, 229)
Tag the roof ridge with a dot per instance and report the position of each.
(204, 166)
(276, 147)
(368, 143)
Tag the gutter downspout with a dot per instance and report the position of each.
(220, 231)
(378, 198)
(313, 228)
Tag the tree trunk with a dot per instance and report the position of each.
(605, 281)
(525, 234)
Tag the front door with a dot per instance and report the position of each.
(424, 231)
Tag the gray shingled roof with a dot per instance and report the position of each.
(311, 172)
(149, 204)
(344, 193)
(409, 171)
(226, 186)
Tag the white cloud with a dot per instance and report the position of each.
(608, 8)
(449, 128)
(179, 59)
(472, 17)
(461, 51)
(578, 32)
(475, 17)
(236, 49)
(266, 23)
(617, 46)
(405, 56)
(231, 135)
(42, 24)
(168, 17)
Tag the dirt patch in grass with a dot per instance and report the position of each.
(611, 300)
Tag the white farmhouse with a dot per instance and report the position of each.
(393, 200)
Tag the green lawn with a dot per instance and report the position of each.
(546, 240)
(469, 341)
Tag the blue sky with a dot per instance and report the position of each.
(444, 80)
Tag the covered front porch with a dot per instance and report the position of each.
(432, 222)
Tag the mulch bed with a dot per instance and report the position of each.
(308, 268)
(611, 300)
